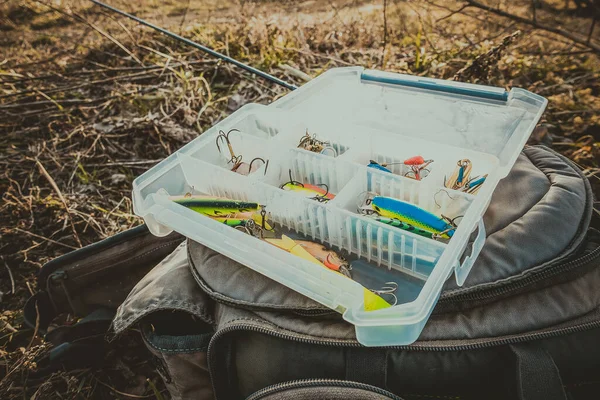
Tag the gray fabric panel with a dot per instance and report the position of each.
(169, 286)
(522, 313)
(286, 323)
(260, 360)
(185, 375)
(537, 214)
(226, 280)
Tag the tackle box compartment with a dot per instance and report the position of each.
(364, 115)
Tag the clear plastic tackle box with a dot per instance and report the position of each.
(364, 115)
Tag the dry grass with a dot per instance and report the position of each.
(89, 101)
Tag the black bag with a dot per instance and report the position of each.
(525, 325)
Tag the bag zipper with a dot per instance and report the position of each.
(308, 383)
(551, 271)
(424, 346)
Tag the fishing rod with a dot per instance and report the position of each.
(200, 47)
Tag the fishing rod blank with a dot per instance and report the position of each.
(198, 46)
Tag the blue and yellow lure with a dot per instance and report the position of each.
(411, 215)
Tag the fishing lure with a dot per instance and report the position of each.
(474, 184)
(377, 166)
(241, 219)
(327, 257)
(409, 214)
(372, 301)
(239, 166)
(461, 174)
(215, 206)
(396, 223)
(233, 222)
(311, 143)
(416, 165)
(318, 192)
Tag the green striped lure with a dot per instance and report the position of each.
(396, 223)
(215, 206)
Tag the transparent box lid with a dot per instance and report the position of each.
(480, 118)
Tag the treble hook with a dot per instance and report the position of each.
(388, 291)
(306, 138)
(452, 227)
(259, 159)
(323, 197)
(222, 136)
(416, 169)
(363, 205)
(451, 220)
(292, 181)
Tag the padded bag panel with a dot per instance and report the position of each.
(169, 286)
(545, 304)
(241, 285)
(538, 213)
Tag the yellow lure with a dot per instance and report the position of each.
(371, 300)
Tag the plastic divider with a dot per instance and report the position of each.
(384, 246)
(435, 199)
(394, 150)
(247, 147)
(332, 136)
(309, 168)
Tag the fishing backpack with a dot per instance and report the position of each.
(525, 325)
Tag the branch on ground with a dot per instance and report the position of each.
(576, 38)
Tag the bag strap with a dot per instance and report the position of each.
(367, 365)
(537, 376)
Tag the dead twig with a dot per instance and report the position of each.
(134, 396)
(10, 275)
(538, 25)
(61, 197)
(385, 28)
(479, 68)
(80, 18)
(452, 13)
(125, 163)
(45, 238)
(5, 326)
